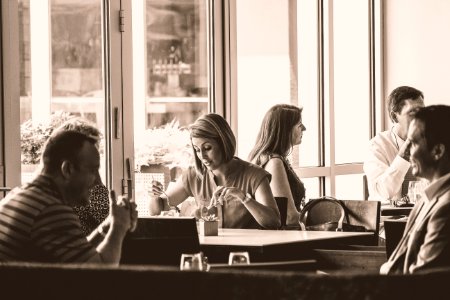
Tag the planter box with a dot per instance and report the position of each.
(209, 228)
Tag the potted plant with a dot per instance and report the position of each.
(166, 146)
(209, 225)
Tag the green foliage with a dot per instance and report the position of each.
(33, 136)
(166, 145)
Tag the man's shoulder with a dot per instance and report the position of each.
(381, 137)
(31, 195)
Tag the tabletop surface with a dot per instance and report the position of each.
(254, 237)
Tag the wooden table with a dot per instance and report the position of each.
(271, 245)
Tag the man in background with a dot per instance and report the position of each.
(37, 221)
(387, 165)
(426, 241)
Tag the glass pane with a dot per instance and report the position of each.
(350, 187)
(170, 88)
(61, 71)
(307, 29)
(263, 67)
(351, 80)
(312, 186)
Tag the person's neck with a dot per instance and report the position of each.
(441, 170)
(222, 173)
(58, 182)
(400, 132)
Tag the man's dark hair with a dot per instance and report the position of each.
(436, 121)
(397, 98)
(63, 145)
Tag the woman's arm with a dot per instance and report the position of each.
(264, 208)
(281, 188)
(158, 199)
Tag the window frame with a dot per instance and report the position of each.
(327, 169)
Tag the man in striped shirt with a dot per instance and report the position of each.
(37, 221)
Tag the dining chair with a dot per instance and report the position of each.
(160, 241)
(357, 212)
(365, 188)
(393, 229)
(282, 207)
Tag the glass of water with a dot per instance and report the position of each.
(194, 262)
(415, 189)
(239, 258)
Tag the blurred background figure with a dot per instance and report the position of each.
(387, 164)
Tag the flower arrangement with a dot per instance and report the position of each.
(210, 218)
(33, 136)
(209, 224)
(166, 145)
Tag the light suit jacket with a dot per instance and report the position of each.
(430, 240)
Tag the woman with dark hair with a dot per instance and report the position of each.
(221, 181)
(280, 131)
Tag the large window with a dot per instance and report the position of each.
(61, 71)
(170, 87)
(303, 57)
(143, 70)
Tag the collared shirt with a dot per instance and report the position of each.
(385, 170)
(434, 187)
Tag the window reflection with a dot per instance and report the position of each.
(61, 75)
(170, 90)
(176, 61)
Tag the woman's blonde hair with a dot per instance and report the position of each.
(215, 127)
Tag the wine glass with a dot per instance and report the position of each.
(415, 189)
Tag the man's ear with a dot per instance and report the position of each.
(393, 116)
(438, 151)
(66, 169)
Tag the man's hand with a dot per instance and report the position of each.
(120, 212)
(403, 152)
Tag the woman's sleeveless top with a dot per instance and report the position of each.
(296, 185)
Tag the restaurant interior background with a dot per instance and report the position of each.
(142, 70)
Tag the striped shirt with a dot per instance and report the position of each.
(37, 225)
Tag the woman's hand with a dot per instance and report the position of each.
(224, 194)
(157, 189)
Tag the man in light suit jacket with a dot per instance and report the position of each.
(426, 241)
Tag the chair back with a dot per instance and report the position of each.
(365, 188)
(357, 212)
(160, 241)
(282, 207)
(393, 229)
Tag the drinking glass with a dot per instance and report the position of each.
(239, 258)
(194, 262)
(415, 189)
